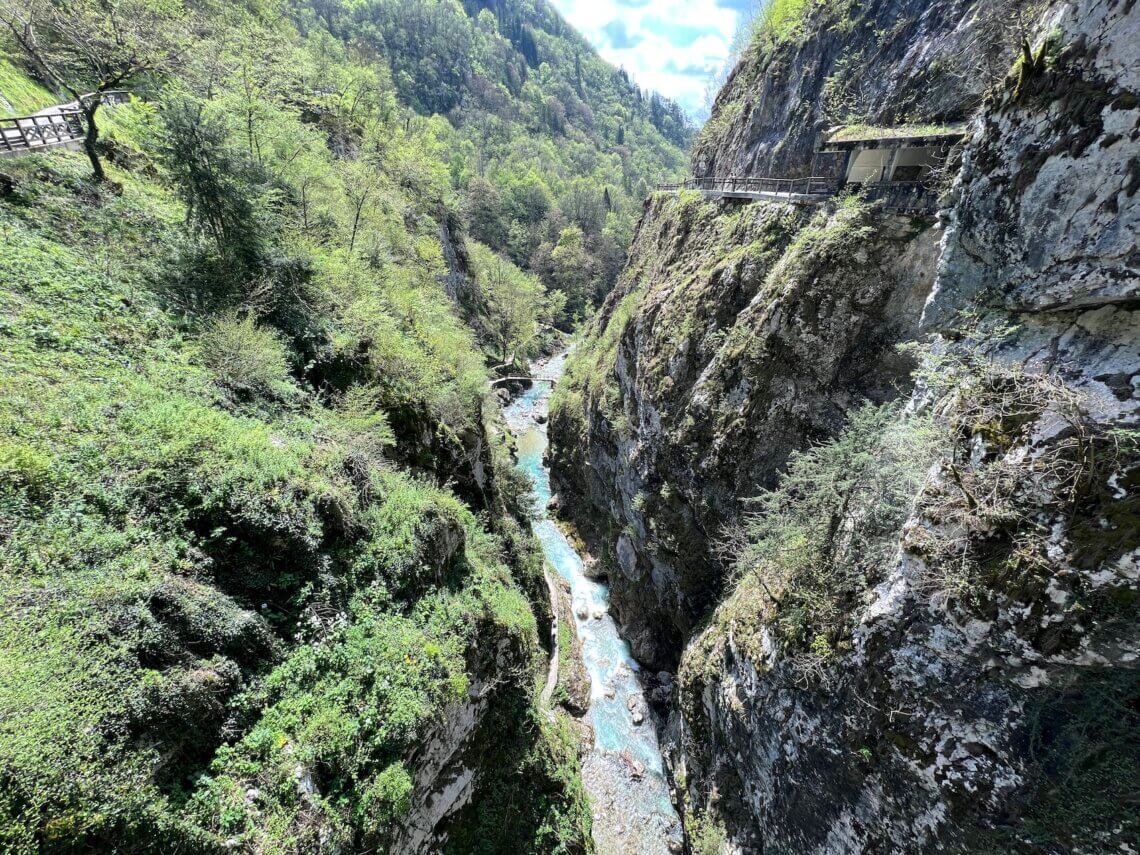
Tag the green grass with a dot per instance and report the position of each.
(870, 132)
(20, 95)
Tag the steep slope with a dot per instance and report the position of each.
(551, 149)
(926, 634)
(267, 583)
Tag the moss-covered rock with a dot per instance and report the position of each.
(737, 335)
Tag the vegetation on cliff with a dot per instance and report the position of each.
(260, 540)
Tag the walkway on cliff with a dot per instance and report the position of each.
(903, 197)
(795, 190)
(53, 127)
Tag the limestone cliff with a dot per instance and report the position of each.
(736, 336)
(978, 691)
(885, 62)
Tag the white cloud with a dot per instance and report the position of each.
(672, 46)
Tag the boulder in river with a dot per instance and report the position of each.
(634, 766)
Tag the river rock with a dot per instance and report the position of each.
(592, 568)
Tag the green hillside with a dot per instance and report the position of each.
(551, 150)
(259, 532)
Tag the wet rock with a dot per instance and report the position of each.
(592, 568)
(633, 766)
(637, 708)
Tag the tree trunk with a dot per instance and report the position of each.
(91, 138)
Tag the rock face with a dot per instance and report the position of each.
(883, 62)
(737, 335)
(1045, 216)
(998, 715)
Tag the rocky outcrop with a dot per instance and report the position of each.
(444, 783)
(984, 694)
(736, 336)
(1045, 216)
(885, 62)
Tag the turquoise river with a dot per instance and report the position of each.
(623, 773)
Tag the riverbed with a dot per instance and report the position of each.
(623, 773)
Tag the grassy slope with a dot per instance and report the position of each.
(20, 96)
(200, 596)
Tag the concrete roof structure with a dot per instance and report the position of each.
(850, 137)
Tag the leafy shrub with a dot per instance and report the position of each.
(831, 526)
(387, 799)
(708, 836)
(248, 360)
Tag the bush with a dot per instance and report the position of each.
(247, 360)
(388, 798)
(830, 527)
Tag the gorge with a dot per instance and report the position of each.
(417, 437)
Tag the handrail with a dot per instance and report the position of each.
(52, 127)
(111, 96)
(815, 185)
(905, 196)
(23, 133)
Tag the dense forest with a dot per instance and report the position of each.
(551, 150)
(261, 544)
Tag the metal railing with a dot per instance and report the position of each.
(907, 197)
(813, 186)
(53, 127)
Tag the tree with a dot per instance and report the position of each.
(573, 270)
(514, 303)
(221, 186)
(87, 47)
(362, 185)
(584, 206)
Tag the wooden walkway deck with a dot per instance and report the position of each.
(54, 127)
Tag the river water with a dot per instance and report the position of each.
(623, 774)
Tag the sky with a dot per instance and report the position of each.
(672, 46)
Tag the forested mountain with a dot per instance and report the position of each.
(265, 582)
(552, 150)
